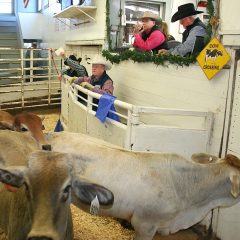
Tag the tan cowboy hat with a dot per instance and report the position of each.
(151, 15)
(99, 59)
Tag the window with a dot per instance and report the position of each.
(134, 10)
(6, 6)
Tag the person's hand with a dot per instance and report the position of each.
(62, 54)
(72, 79)
(87, 85)
(60, 77)
(162, 51)
(138, 28)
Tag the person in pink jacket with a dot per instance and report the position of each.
(147, 35)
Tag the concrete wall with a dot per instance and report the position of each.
(58, 34)
(144, 84)
(31, 29)
(229, 18)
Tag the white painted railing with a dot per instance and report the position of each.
(141, 128)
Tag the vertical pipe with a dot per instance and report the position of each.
(49, 76)
(22, 77)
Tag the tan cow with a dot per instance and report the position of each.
(156, 192)
(45, 183)
(6, 120)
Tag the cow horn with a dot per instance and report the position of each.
(235, 189)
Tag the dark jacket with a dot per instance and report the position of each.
(197, 22)
(100, 82)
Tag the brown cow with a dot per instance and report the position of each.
(6, 120)
(32, 123)
(25, 121)
(46, 182)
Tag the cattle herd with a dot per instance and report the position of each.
(42, 174)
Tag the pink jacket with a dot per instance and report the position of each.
(154, 40)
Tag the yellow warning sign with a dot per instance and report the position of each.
(212, 58)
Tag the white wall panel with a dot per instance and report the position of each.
(173, 87)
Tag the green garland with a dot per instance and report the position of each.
(139, 57)
(210, 11)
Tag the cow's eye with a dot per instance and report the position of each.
(23, 129)
(66, 193)
(43, 127)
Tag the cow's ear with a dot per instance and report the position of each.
(86, 192)
(13, 176)
(235, 188)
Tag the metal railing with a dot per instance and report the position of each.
(28, 78)
(140, 128)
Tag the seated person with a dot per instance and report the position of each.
(164, 28)
(194, 28)
(148, 36)
(99, 81)
(69, 71)
(75, 67)
(79, 61)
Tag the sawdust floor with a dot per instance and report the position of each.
(88, 227)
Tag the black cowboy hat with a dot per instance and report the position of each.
(184, 10)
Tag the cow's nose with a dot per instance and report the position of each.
(39, 238)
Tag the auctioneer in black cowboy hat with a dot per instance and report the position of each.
(185, 10)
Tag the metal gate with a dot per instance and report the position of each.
(28, 81)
